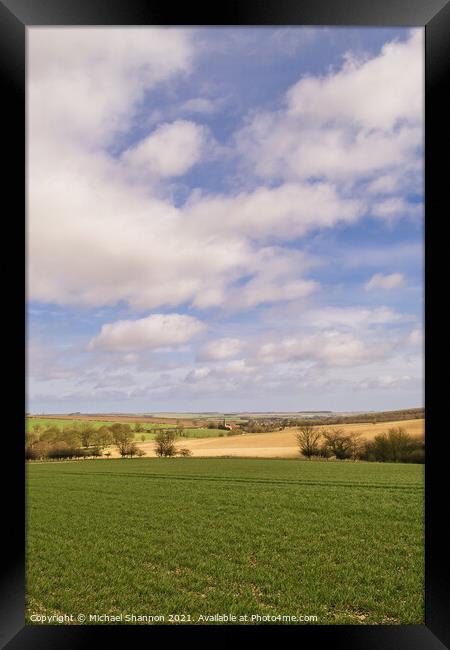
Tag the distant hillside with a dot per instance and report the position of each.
(379, 416)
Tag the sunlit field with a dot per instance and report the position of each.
(200, 537)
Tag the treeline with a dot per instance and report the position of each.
(79, 441)
(394, 446)
(267, 425)
(370, 418)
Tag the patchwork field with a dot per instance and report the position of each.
(279, 444)
(61, 422)
(149, 427)
(65, 420)
(196, 537)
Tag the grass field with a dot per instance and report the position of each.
(188, 433)
(148, 427)
(66, 422)
(342, 541)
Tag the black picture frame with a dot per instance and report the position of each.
(434, 15)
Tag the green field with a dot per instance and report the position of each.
(340, 540)
(187, 433)
(148, 427)
(61, 423)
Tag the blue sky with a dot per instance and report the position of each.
(225, 219)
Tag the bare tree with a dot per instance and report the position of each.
(338, 443)
(308, 438)
(356, 444)
(132, 449)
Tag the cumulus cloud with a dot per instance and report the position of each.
(385, 184)
(170, 150)
(274, 276)
(361, 122)
(394, 208)
(220, 349)
(106, 225)
(155, 331)
(98, 236)
(280, 213)
(82, 83)
(106, 243)
(361, 91)
(259, 291)
(225, 376)
(389, 281)
(197, 374)
(332, 348)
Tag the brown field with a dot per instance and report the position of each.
(278, 444)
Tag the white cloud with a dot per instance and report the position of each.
(357, 123)
(385, 184)
(155, 331)
(103, 226)
(228, 374)
(237, 366)
(82, 83)
(331, 348)
(170, 150)
(415, 338)
(328, 153)
(198, 374)
(390, 382)
(220, 349)
(49, 364)
(260, 292)
(373, 93)
(352, 317)
(396, 207)
(280, 213)
(380, 281)
(115, 240)
(98, 235)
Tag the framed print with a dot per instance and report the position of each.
(232, 233)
